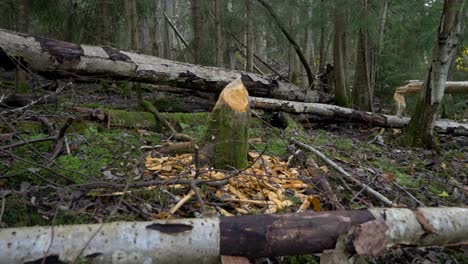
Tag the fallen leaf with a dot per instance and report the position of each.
(444, 194)
(324, 169)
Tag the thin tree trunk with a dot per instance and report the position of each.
(197, 17)
(340, 57)
(71, 21)
(310, 75)
(23, 16)
(363, 89)
(323, 42)
(249, 37)
(219, 34)
(420, 131)
(132, 23)
(168, 35)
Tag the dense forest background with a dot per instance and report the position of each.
(398, 34)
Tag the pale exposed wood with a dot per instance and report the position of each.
(416, 87)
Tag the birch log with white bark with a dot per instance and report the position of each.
(351, 115)
(253, 236)
(53, 58)
(416, 87)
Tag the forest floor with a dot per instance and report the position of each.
(115, 144)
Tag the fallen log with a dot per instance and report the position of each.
(57, 59)
(351, 115)
(416, 87)
(204, 240)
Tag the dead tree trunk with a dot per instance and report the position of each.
(53, 58)
(341, 113)
(203, 240)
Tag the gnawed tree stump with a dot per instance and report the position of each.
(226, 137)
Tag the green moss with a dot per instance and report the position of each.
(345, 144)
(18, 213)
(311, 259)
(406, 180)
(122, 118)
(29, 127)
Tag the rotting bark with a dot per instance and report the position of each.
(351, 115)
(53, 58)
(203, 240)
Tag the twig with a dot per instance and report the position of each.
(182, 201)
(60, 140)
(59, 90)
(409, 194)
(369, 190)
(150, 107)
(199, 198)
(102, 225)
(22, 143)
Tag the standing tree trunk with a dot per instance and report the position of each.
(23, 16)
(420, 130)
(308, 44)
(340, 57)
(226, 138)
(197, 17)
(168, 34)
(132, 23)
(322, 43)
(310, 75)
(219, 34)
(249, 37)
(71, 21)
(363, 90)
(103, 23)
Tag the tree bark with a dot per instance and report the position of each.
(219, 34)
(132, 23)
(351, 115)
(249, 65)
(420, 131)
(363, 90)
(225, 144)
(310, 75)
(52, 58)
(23, 16)
(416, 87)
(197, 17)
(168, 35)
(340, 57)
(203, 240)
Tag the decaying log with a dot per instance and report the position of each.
(203, 240)
(53, 58)
(351, 115)
(416, 87)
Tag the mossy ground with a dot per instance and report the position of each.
(431, 177)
